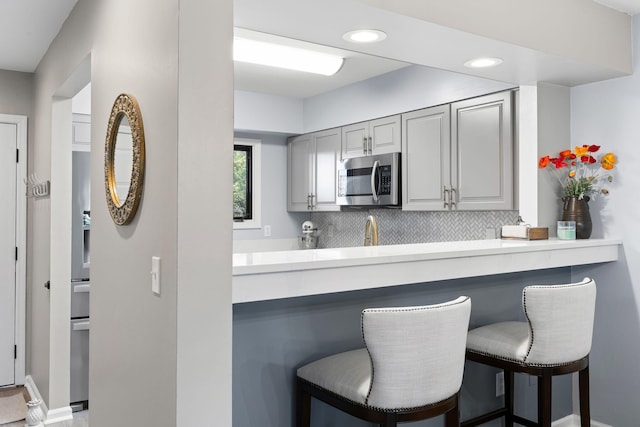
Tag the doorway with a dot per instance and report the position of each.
(12, 248)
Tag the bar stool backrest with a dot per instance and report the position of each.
(560, 321)
(417, 353)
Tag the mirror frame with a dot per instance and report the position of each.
(123, 212)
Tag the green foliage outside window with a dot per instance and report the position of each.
(241, 182)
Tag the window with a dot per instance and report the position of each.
(246, 183)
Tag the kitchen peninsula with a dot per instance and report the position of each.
(293, 307)
(285, 274)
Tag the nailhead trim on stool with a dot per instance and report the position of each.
(555, 340)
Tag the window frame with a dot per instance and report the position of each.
(255, 186)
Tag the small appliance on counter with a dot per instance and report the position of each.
(309, 237)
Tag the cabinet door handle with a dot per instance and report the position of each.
(313, 203)
(308, 201)
(453, 198)
(370, 145)
(364, 145)
(446, 197)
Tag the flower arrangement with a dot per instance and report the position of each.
(579, 172)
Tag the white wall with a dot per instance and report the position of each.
(284, 225)
(135, 362)
(578, 29)
(267, 113)
(396, 92)
(606, 114)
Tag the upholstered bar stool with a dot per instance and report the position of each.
(411, 368)
(555, 340)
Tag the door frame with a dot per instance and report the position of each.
(21, 244)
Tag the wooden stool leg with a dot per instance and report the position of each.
(583, 381)
(390, 420)
(508, 397)
(303, 407)
(452, 418)
(544, 400)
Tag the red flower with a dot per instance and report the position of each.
(565, 154)
(593, 148)
(587, 159)
(543, 162)
(558, 163)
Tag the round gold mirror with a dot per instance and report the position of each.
(124, 159)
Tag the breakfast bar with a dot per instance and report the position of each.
(286, 274)
(293, 307)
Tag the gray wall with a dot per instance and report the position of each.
(605, 114)
(272, 339)
(284, 225)
(407, 89)
(149, 357)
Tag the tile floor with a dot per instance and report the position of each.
(80, 419)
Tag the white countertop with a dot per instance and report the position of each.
(260, 276)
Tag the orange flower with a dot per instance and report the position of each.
(608, 161)
(565, 154)
(581, 151)
(543, 162)
(572, 174)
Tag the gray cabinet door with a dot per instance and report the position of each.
(482, 152)
(312, 171)
(300, 172)
(379, 136)
(355, 140)
(426, 159)
(327, 144)
(385, 135)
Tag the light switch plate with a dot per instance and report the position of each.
(155, 275)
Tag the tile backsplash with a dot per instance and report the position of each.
(346, 228)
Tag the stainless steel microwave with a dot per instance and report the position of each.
(370, 181)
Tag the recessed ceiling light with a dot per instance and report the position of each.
(281, 56)
(364, 36)
(483, 62)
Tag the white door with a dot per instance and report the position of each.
(8, 170)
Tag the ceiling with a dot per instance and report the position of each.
(38, 21)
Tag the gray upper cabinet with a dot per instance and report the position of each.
(426, 158)
(482, 153)
(459, 156)
(379, 136)
(312, 171)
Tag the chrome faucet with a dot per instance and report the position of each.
(371, 232)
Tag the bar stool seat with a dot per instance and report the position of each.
(411, 368)
(555, 340)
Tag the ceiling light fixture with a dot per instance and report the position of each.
(483, 62)
(291, 58)
(365, 36)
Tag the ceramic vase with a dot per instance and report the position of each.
(577, 210)
(34, 413)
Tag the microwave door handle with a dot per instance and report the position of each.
(374, 189)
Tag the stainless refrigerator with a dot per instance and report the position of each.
(80, 282)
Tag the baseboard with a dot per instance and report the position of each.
(573, 420)
(58, 415)
(51, 415)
